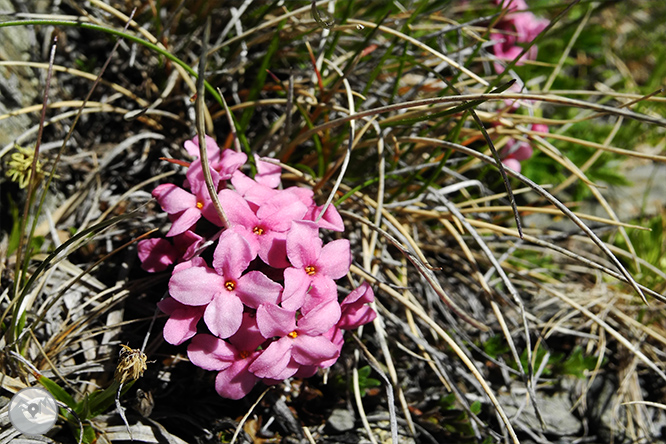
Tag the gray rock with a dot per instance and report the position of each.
(555, 410)
(340, 421)
(19, 86)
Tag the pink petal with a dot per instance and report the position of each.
(305, 195)
(275, 321)
(303, 244)
(273, 360)
(182, 324)
(195, 285)
(273, 249)
(212, 150)
(236, 381)
(268, 173)
(255, 288)
(194, 262)
(307, 371)
(296, 284)
(361, 294)
(279, 211)
(195, 178)
(156, 254)
(224, 314)
(320, 319)
(331, 219)
(248, 337)
(335, 259)
(354, 317)
(187, 244)
(232, 256)
(311, 350)
(174, 199)
(322, 291)
(184, 221)
(230, 161)
(237, 209)
(289, 370)
(210, 353)
(254, 192)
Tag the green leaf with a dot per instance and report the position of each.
(475, 407)
(577, 363)
(100, 401)
(448, 402)
(496, 346)
(58, 392)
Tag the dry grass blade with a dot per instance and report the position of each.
(548, 197)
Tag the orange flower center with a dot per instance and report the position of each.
(293, 334)
(310, 269)
(258, 231)
(199, 205)
(230, 285)
(244, 354)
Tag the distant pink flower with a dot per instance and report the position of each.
(157, 254)
(224, 290)
(313, 264)
(514, 152)
(231, 359)
(512, 5)
(301, 340)
(520, 26)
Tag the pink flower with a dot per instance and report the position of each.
(223, 163)
(224, 290)
(355, 311)
(520, 26)
(312, 264)
(514, 152)
(184, 208)
(157, 254)
(301, 342)
(231, 359)
(266, 230)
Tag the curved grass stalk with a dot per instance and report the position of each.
(449, 341)
(492, 228)
(86, 75)
(156, 48)
(457, 99)
(549, 197)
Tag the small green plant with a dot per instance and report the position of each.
(82, 413)
(366, 382)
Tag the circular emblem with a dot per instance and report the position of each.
(33, 411)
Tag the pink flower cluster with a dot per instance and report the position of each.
(268, 297)
(519, 26)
